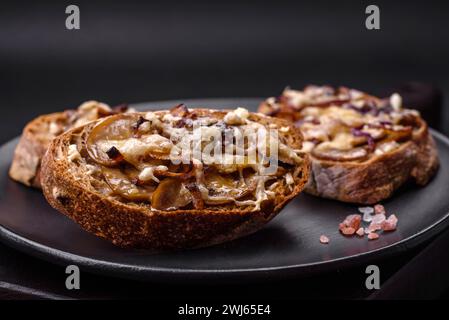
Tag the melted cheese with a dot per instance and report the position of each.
(396, 101)
(342, 141)
(327, 117)
(133, 148)
(72, 153)
(236, 117)
(235, 159)
(89, 111)
(54, 128)
(386, 147)
(148, 173)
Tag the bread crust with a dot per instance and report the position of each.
(139, 226)
(39, 132)
(374, 180)
(26, 163)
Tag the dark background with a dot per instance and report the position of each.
(129, 51)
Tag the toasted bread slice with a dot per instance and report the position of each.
(38, 134)
(362, 148)
(121, 179)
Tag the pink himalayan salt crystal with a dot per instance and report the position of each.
(367, 213)
(324, 239)
(390, 224)
(352, 221)
(347, 231)
(379, 209)
(373, 236)
(376, 222)
(360, 232)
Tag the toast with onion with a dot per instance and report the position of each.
(38, 133)
(362, 148)
(134, 180)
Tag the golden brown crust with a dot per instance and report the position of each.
(139, 226)
(39, 132)
(25, 166)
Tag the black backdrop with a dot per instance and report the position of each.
(129, 51)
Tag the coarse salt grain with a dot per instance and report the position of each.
(373, 236)
(379, 209)
(378, 219)
(367, 213)
(353, 221)
(347, 231)
(374, 227)
(368, 210)
(367, 217)
(324, 239)
(390, 223)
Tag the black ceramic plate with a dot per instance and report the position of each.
(287, 246)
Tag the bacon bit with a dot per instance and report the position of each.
(390, 223)
(114, 154)
(324, 239)
(379, 209)
(360, 232)
(373, 236)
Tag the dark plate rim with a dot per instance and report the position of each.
(128, 271)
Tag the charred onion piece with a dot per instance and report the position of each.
(139, 122)
(197, 199)
(170, 195)
(121, 185)
(120, 108)
(327, 103)
(268, 109)
(114, 154)
(224, 188)
(115, 127)
(180, 110)
(398, 135)
(369, 138)
(339, 155)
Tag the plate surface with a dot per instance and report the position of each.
(288, 246)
